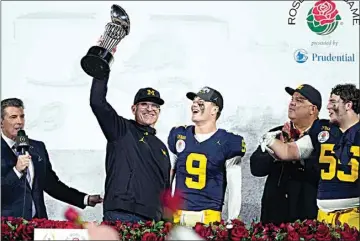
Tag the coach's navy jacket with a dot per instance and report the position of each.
(45, 179)
(290, 189)
(137, 161)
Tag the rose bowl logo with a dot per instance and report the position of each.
(323, 18)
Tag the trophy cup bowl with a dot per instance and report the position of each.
(98, 60)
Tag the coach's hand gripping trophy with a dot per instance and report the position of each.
(98, 59)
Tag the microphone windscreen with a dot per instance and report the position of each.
(21, 133)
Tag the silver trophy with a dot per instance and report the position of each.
(98, 60)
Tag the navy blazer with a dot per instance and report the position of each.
(45, 179)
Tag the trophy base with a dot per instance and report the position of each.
(96, 63)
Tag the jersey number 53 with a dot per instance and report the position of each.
(330, 159)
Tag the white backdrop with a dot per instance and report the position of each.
(243, 49)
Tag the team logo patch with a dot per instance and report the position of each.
(323, 136)
(180, 145)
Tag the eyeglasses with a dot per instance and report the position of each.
(146, 105)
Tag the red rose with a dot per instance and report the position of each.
(322, 233)
(71, 214)
(325, 12)
(347, 236)
(198, 227)
(206, 232)
(296, 226)
(303, 231)
(310, 223)
(149, 236)
(290, 228)
(222, 235)
(322, 229)
(147, 224)
(308, 237)
(326, 237)
(5, 229)
(167, 227)
(293, 236)
(237, 222)
(238, 233)
(201, 230)
(160, 238)
(135, 226)
(346, 227)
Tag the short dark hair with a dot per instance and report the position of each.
(219, 111)
(10, 102)
(348, 92)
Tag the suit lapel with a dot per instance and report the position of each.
(37, 163)
(6, 153)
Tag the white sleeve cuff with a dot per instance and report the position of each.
(173, 159)
(19, 174)
(233, 162)
(305, 147)
(86, 198)
(234, 181)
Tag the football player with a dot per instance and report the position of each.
(337, 144)
(207, 163)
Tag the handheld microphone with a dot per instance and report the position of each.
(22, 143)
(22, 146)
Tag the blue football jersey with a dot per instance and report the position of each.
(338, 160)
(200, 166)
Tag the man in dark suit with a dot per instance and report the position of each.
(24, 178)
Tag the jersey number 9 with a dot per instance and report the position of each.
(332, 161)
(199, 171)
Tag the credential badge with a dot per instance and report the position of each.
(180, 145)
(323, 136)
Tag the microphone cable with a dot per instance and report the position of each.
(24, 200)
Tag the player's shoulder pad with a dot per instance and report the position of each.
(231, 137)
(179, 129)
(320, 125)
(324, 122)
(229, 134)
(234, 144)
(176, 133)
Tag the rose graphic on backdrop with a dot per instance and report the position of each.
(323, 18)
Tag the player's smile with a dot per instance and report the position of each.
(195, 111)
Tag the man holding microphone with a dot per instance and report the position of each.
(24, 178)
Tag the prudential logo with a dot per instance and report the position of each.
(301, 56)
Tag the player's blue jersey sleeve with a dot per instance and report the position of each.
(317, 127)
(235, 146)
(172, 140)
(173, 137)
